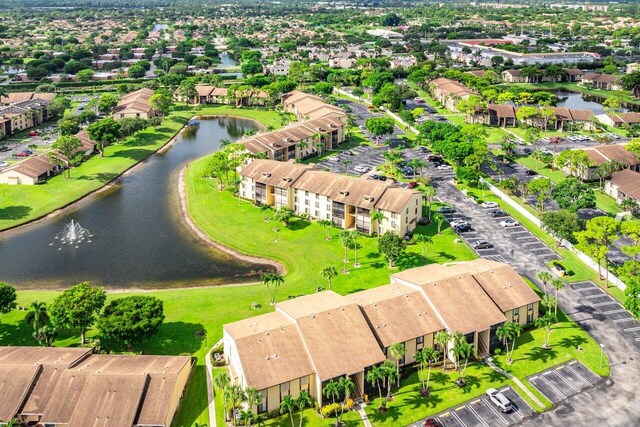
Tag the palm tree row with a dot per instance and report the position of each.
(233, 396)
(333, 390)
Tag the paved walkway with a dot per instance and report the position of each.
(363, 414)
(210, 392)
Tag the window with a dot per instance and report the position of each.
(393, 215)
(407, 211)
(516, 315)
(529, 313)
(262, 406)
(393, 224)
(420, 340)
(318, 205)
(284, 390)
(304, 384)
(317, 214)
(306, 202)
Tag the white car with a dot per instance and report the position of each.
(458, 222)
(500, 400)
(444, 167)
(333, 158)
(545, 151)
(489, 205)
(509, 223)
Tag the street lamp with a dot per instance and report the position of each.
(601, 354)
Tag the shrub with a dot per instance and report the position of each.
(330, 410)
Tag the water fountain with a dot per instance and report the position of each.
(72, 234)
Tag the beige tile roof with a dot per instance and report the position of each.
(628, 182)
(15, 97)
(335, 333)
(15, 382)
(506, 288)
(135, 101)
(606, 153)
(272, 172)
(270, 349)
(395, 199)
(33, 167)
(397, 313)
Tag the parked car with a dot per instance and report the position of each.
(527, 151)
(382, 178)
(4, 148)
(374, 176)
(412, 185)
(530, 172)
(457, 222)
(348, 153)
(462, 228)
(545, 151)
(432, 422)
(446, 210)
(489, 205)
(509, 223)
(561, 269)
(333, 158)
(423, 149)
(481, 244)
(444, 167)
(497, 213)
(3, 165)
(23, 154)
(33, 133)
(500, 400)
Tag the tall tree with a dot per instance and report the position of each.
(391, 246)
(329, 272)
(561, 224)
(631, 230)
(78, 308)
(443, 339)
(132, 319)
(545, 277)
(345, 240)
(274, 279)
(7, 298)
(398, 351)
(558, 285)
(37, 315)
(104, 132)
(67, 146)
(598, 234)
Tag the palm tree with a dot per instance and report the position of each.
(287, 404)
(429, 193)
(272, 278)
(329, 272)
(629, 205)
(267, 210)
(374, 375)
(424, 357)
(439, 218)
(463, 351)
(37, 316)
(398, 350)
(415, 165)
(443, 339)
(325, 223)
(253, 397)
(545, 322)
(221, 382)
(303, 401)
(354, 237)
(346, 386)
(45, 335)
(424, 240)
(545, 277)
(346, 165)
(303, 145)
(378, 217)
(345, 239)
(508, 333)
(548, 301)
(390, 373)
(247, 416)
(558, 285)
(331, 390)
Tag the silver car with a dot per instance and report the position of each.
(500, 400)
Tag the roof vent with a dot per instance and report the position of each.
(344, 193)
(266, 174)
(368, 198)
(286, 179)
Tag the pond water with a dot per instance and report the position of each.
(139, 237)
(578, 102)
(227, 60)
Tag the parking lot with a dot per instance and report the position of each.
(605, 305)
(561, 381)
(481, 412)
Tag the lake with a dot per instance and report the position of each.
(139, 237)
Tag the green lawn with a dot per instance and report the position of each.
(23, 203)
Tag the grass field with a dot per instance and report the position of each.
(23, 203)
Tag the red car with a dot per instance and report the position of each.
(412, 184)
(432, 422)
(33, 133)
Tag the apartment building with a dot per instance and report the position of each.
(306, 106)
(135, 104)
(312, 339)
(346, 201)
(623, 185)
(298, 140)
(449, 92)
(21, 115)
(66, 387)
(601, 154)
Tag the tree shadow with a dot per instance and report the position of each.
(15, 212)
(446, 255)
(540, 354)
(133, 153)
(409, 260)
(573, 341)
(493, 376)
(103, 177)
(472, 382)
(373, 255)
(175, 338)
(299, 224)
(393, 413)
(19, 334)
(439, 378)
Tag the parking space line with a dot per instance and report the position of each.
(637, 328)
(591, 289)
(626, 319)
(637, 339)
(600, 304)
(495, 411)
(473, 411)
(458, 418)
(620, 310)
(564, 379)
(599, 295)
(577, 374)
(552, 387)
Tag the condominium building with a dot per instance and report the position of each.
(346, 201)
(135, 104)
(68, 387)
(306, 106)
(298, 140)
(449, 92)
(312, 339)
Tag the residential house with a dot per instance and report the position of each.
(15, 97)
(569, 118)
(513, 76)
(346, 201)
(312, 339)
(605, 154)
(135, 104)
(205, 94)
(342, 62)
(298, 140)
(278, 68)
(449, 92)
(633, 67)
(619, 119)
(403, 62)
(497, 115)
(573, 74)
(306, 106)
(31, 171)
(623, 185)
(602, 81)
(60, 387)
